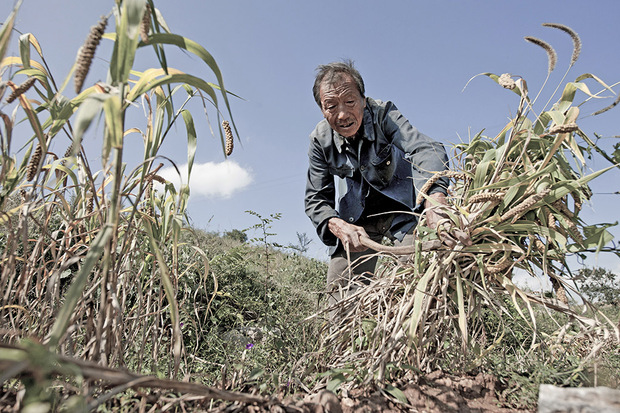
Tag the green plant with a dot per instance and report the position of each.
(303, 243)
(237, 235)
(264, 226)
(599, 285)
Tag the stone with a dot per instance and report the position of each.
(552, 399)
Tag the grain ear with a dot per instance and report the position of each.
(229, 138)
(573, 35)
(87, 53)
(551, 54)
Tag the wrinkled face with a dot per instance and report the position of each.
(342, 105)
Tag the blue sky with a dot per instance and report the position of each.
(419, 54)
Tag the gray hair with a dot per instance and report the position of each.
(332, 72)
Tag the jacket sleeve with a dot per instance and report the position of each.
(426, 155)
(320, 196)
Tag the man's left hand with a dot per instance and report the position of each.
(431, 208)
(451, 235)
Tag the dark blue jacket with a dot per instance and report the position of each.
(392, 156)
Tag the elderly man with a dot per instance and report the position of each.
(378, 161)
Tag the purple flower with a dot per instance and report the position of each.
(249, 346)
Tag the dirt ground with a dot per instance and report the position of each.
(437, 392)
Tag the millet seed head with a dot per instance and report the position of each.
(566, 128)
(21, 89)
(573, 35)
(158, 178)
(551, 54)
(87, 53)
(431, 181)
(517, 211)
(146, 24)
(492, 196)
(501, 266)
(229, 138)
(33, 165)
(90, 203)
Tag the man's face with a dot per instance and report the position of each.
(342, 105)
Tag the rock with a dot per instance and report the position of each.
(242, 336)
(552, 399)
(323, 402)
(329, 402)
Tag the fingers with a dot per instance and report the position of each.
(351, 248)
(351, 239)
(449, 232)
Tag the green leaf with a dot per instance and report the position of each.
(170, 295)
(596, 237)
(592, 76)
(7, 29)
(90, 108)
(564, 188)
(113, 112)
(568, 96)
(153, 78)
(556, 116)
(418, 299)
(191, 141)
(77, 286)
(482, 171)
(256, 373)
(397, 393)
(127, 39)
(335, 382)
(541, 123)
(461, 305)
(198, 50)
(24, 49)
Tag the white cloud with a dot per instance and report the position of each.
(525, 280)
(211, 180)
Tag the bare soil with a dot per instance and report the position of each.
(436, 392)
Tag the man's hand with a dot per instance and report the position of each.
(431, 208)
(348, 234)
(449, 234)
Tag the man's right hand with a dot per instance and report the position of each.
(348, 234)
